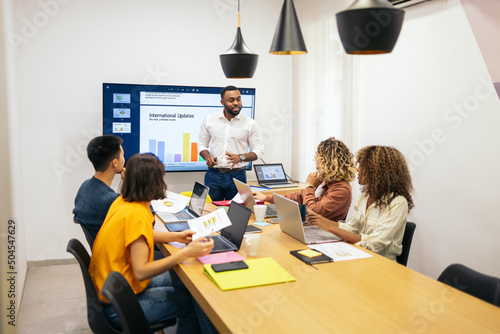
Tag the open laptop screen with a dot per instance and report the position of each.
(238, 215)
(270, 173)
(198, 199)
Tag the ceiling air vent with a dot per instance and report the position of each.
(406, 3)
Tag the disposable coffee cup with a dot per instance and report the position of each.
(252, 244)
(260, 212)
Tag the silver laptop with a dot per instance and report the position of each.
(291, 223)
(178, 221)
(248, 200)
(272, 176)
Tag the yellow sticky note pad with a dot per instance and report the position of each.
(309, 253)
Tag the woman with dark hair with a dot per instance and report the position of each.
(327, 191)
(379, 217)
(125, 244)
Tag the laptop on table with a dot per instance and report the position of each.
(272, 176)
(230, 237)
(178, 221)
(291, 223)
(249, 201)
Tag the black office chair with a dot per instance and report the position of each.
(95, 315)
(90, 238)
(407, 238)
(472, 282)
(128, 309)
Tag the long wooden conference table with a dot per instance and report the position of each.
(372, 295)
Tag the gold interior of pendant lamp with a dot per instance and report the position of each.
(287, 52)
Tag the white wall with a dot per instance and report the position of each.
(12, 233)
(65, 51)
(433, 99)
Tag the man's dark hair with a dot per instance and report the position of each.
(225, 89)
(102, 150)
(143, 181)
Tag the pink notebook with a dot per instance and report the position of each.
(220, 258)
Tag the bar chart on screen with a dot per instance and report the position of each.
(175, 145)
(187, 153)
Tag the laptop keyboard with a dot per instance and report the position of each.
(271, 212)
(316, 235)
(279, 185)
(183, 215)
(220, 243)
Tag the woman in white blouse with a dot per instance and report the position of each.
(379, 217)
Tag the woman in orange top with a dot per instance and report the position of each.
(125, 244)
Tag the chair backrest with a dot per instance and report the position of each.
(474, 283)
(90, 238)
(407, 238)
(124, 301)
(95, 315)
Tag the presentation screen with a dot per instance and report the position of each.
(165, 120)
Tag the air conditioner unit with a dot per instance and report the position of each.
(406, 3)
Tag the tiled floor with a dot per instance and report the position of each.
(54, 301)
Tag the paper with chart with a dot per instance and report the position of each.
(341, 251)
(209, 223)
(172, 203)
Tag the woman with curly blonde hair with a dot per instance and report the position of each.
(327, 191)
(379, 218)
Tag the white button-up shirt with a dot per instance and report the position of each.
(218, 135)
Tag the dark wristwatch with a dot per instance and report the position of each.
(242, 157)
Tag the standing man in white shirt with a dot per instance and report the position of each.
(224, 142)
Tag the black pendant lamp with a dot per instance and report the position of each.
(239, 62)
(370, 26)
(288, 38)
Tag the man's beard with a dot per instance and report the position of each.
(231, 112)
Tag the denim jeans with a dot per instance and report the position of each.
(222, 185)
(164, 298)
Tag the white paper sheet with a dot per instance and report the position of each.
(340, 251)
(172, 203)
(237, 199)
(209, 223)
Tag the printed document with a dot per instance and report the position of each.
(172, 203)
(209, 223)
(340, 251)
